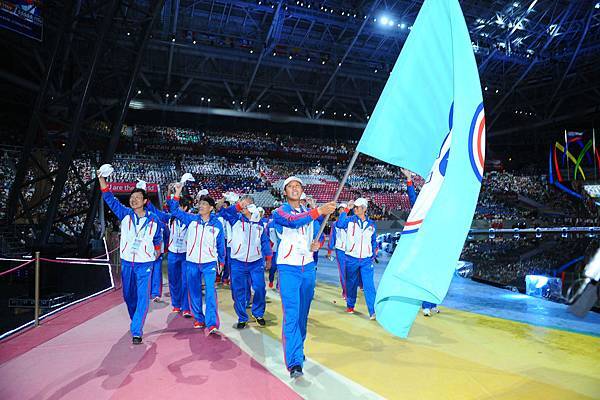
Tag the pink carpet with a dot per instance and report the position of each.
(96, 360)
(57, 324)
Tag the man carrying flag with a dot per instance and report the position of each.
(297, 231)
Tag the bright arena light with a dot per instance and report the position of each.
(384, 20)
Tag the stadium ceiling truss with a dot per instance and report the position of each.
(318, 62)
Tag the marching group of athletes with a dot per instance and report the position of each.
(229, 240)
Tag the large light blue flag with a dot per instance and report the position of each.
(430, 119)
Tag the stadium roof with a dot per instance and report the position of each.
(326, 62)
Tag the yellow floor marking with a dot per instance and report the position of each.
(453, 355)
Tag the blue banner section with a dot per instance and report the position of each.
(22, 16)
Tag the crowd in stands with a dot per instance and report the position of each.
(8, 161)
(130, 168)
(500, 201)
(507, 260)
(237, 140)
(508, 196)
(219, 175)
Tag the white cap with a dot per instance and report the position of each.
(106, 170)
(343, 205)
(231, 197)
(361, 202)
(303, 196)
(202, 192)
(187, 177)
(140, 184)
(292, 179)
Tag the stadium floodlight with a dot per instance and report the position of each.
(139, 92)
(383, 20)
(167, 95)
(208, 99)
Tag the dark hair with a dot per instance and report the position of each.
(207, 199)
(138, 190)
(185, 201)
(228, 203)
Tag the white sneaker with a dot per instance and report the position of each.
(372, 317)
(435, 310)
(427, 312)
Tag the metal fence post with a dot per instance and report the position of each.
(37, 289)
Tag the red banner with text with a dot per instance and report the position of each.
(127, 187)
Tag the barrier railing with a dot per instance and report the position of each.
(568, 229)
(102, 284)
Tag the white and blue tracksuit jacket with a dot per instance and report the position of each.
(361, 240)
(249, 240)
(140, 237)
(296, 229)
(205, 241)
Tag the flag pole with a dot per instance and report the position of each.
(340, 188)
(567, 156)
(594, 154)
